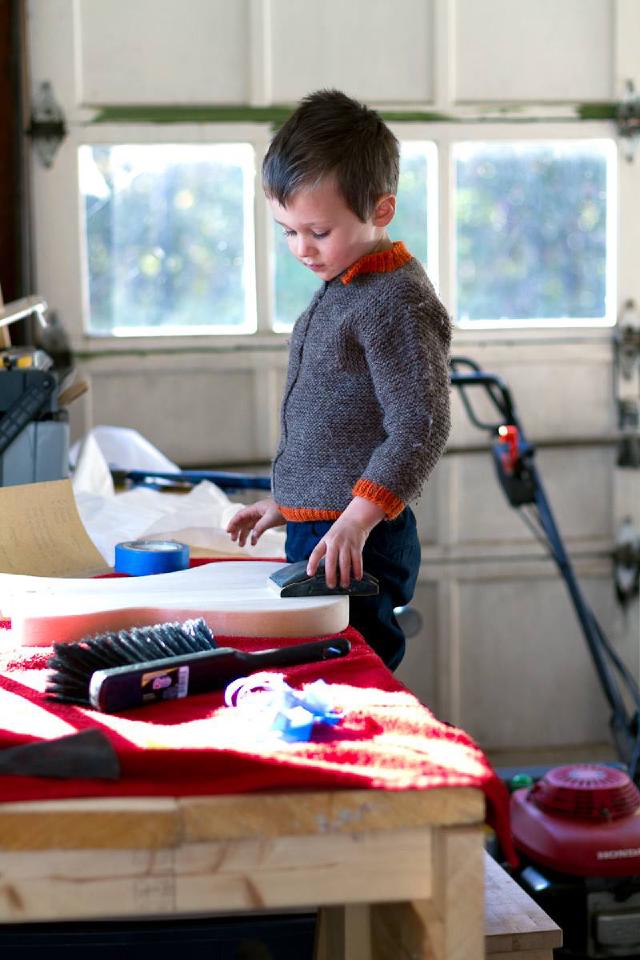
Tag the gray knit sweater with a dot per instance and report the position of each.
(366, 407)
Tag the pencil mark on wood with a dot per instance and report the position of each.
(255, 896)
(13, 898)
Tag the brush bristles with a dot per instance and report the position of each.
(73, 664)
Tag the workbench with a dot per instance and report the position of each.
(401, 870)
(380, 823)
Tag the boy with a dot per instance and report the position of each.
(365, 413)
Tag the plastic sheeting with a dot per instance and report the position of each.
(198, 517)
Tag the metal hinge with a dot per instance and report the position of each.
(627, 383)
(47, 128)
(628, 119)
(626, 562)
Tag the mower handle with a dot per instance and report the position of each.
(494, 387)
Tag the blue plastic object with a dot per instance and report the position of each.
(139, 558)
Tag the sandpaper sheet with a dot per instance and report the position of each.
(41, 533)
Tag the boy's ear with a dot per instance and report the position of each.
(384, 210)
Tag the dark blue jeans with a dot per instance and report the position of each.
(392, 554)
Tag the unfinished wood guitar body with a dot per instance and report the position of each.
(233, 597)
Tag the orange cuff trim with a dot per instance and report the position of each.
(392, 505)
(300, 514)
(383, 262)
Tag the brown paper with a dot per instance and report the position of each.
(41, 533)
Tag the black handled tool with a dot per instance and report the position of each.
(139, 684)
(292, 580)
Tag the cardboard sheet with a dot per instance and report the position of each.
(41, 533)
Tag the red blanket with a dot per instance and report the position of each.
(386, 740)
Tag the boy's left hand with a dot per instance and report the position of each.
(342, 545)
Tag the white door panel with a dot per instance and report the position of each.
(526, 676)
(559, 390)
(369, 48)
(578, 481)
(154, 51)
(545, 51)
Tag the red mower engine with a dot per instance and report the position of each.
(578, 832)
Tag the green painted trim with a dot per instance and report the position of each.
(150, 114)
(598, 111)
(417, 116)
(277, 114)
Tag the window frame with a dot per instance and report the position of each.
(248, 283)
(444, 135)
(529, 323)
(256, 135)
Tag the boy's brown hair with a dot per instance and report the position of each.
(331, 134)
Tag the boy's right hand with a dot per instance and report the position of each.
(254, 520)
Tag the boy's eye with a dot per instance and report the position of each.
(316, 236)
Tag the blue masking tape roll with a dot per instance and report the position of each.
(139, 558)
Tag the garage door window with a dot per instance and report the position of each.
(534, 233)
(169, 238)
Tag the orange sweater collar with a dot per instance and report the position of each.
(383, 262)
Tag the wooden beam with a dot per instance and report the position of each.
(152, 823)
(514, 923)
(454, 918)
(223, 876)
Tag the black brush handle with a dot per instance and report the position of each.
(139, 684)
(327, 649)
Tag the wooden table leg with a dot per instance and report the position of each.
(344, 933)
(398, 932)
(454, 917)
(449, 926)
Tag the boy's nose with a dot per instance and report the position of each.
(305, 248)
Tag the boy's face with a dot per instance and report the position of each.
(324, 234)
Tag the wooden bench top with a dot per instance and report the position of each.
(119, 823)
(515, 926)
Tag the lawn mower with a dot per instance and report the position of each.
(576, 827)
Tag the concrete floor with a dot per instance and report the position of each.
(539, 756)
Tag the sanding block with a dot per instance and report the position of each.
(292, 580)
